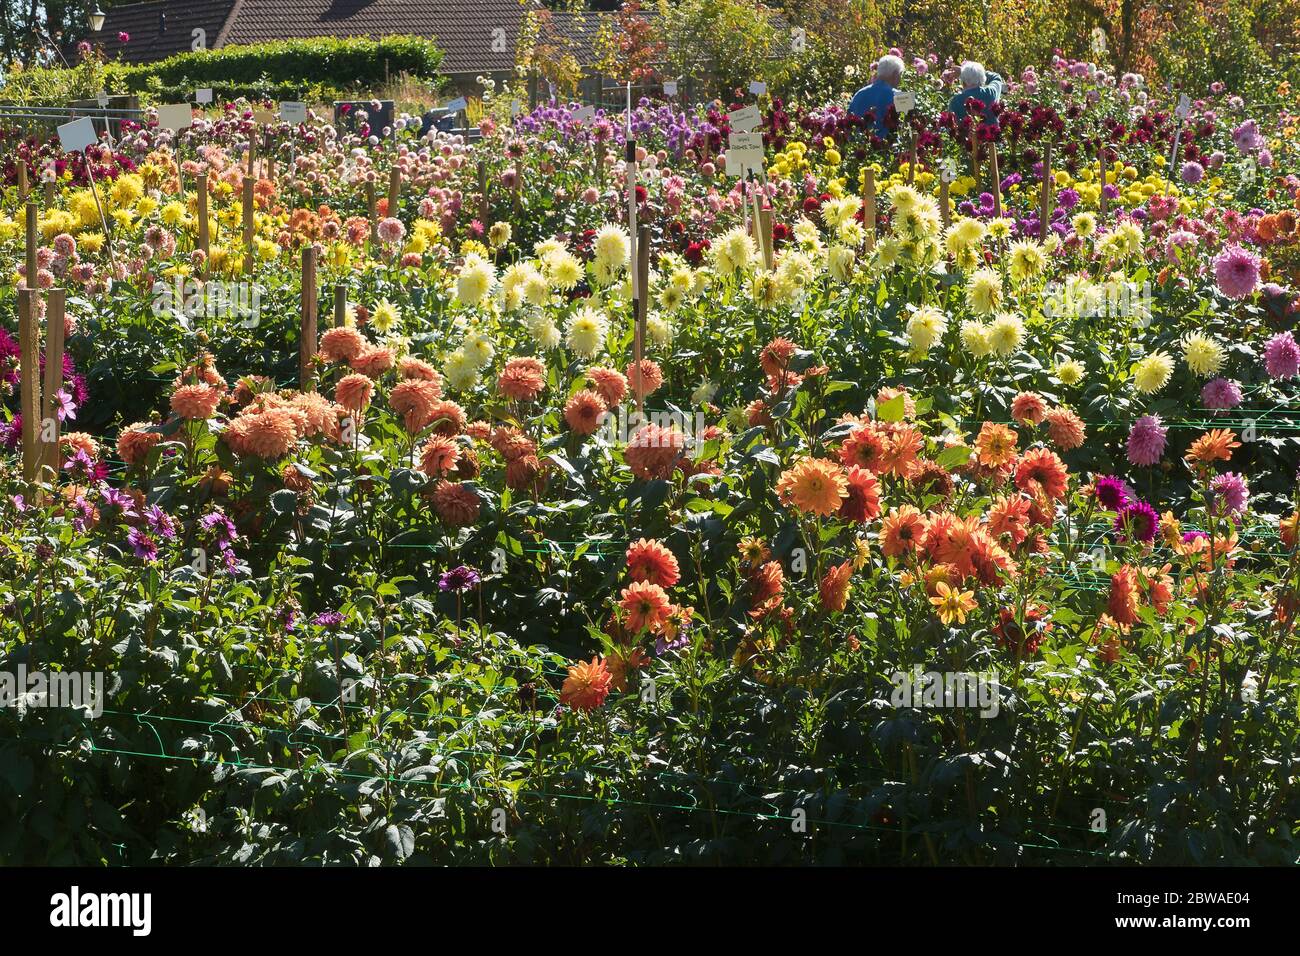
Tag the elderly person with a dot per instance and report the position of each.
(976, 83)
(878, 96)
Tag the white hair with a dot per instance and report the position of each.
(890, 69)
(972, 74)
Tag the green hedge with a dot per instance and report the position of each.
(314, 70)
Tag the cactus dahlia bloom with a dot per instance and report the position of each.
(587, 685)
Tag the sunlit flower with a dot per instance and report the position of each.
(813, 485)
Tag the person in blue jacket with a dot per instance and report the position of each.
(878, 96)
(976, 82)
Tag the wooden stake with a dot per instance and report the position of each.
(869, 208)
(340, 305)
(945, 211)
(997, 180)
(49, 425)
(765, 230)
(32, 245)
(307, 342)
(394, 189)
(49, 193)
(29, 381)
(248, 225)
(205, 239)
(23, 186)
(975, 156)
(1045, 197)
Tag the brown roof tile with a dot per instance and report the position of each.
(144, 23)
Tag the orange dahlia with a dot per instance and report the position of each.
(583, 411)
(651, 377)
(341, 344)
(413, 400)
(1028, 408)
(373, 361)
(134, 443)
(769, 583)
(813, 485)
(902, 456)
(611, 385)
(865, 447)
(456, 505)
(863, 501)
(901, 531)
(776, 355)
(1215, 445)
(587, 685)
(269, 434)
(653, 450)
(1065, 428)
(651, 561)
(439, 456)
(446, 417)
(411, 367)
(522, 379)
(1040, 470)
(647, 606)
(834, 588)
(995, 445)
(353, 392)
(1122, 604)
(1009, 517)
(196, 402)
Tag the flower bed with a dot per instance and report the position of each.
(454, 563)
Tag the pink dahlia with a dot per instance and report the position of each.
(1146, 440)
(1282, 356)
(1230, 493)
(1237, 272)
(1221, 393)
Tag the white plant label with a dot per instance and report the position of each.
(744, 120)
(904, 101)
(948, 170)
(457, 105)
(102, 99)
(737, 163)
(670, 87)
(1184, 108)
(263, 117)
(203, 95)
(745, 140)
(293, 112)
(584, 115)
(757, 87)
(175, 116)
(77, 135)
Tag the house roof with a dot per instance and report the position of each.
(475, 36)
(161, 28)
